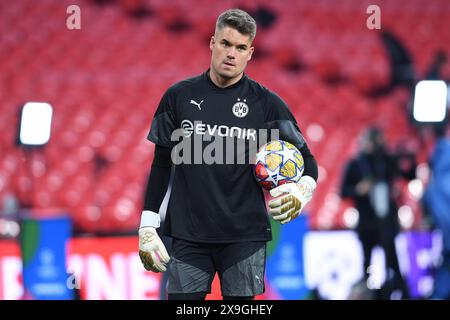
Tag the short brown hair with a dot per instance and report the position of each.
(237, 19)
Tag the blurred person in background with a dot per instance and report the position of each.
(9, 215)
(10, 206)
(401, 65)
(368, 180)
(217, 216)
(402, 68)
(436, 201)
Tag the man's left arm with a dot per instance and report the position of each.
(294, 196)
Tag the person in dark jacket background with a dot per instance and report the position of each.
(368, 180)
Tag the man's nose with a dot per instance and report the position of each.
(231, 54)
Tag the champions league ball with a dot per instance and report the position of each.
(278, 162)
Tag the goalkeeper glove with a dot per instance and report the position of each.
(152, 251)
(289, 206)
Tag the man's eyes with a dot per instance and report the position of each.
(241, 49)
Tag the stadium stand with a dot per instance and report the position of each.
(105, 81)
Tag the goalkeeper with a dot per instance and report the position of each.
(216, 216)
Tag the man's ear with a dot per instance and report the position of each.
(250, 53)
(211, 42)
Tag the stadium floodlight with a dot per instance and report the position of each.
(35, 123)
(430, 101)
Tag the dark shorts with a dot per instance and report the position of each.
(240, 267)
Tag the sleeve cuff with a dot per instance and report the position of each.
(150, 219)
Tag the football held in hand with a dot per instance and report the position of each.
(278, 162)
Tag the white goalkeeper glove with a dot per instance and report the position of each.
(297, 195)
(152, 251)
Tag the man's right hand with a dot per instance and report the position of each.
(152, 251)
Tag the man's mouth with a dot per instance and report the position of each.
(228, 63)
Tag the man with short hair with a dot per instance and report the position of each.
(216, 214)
